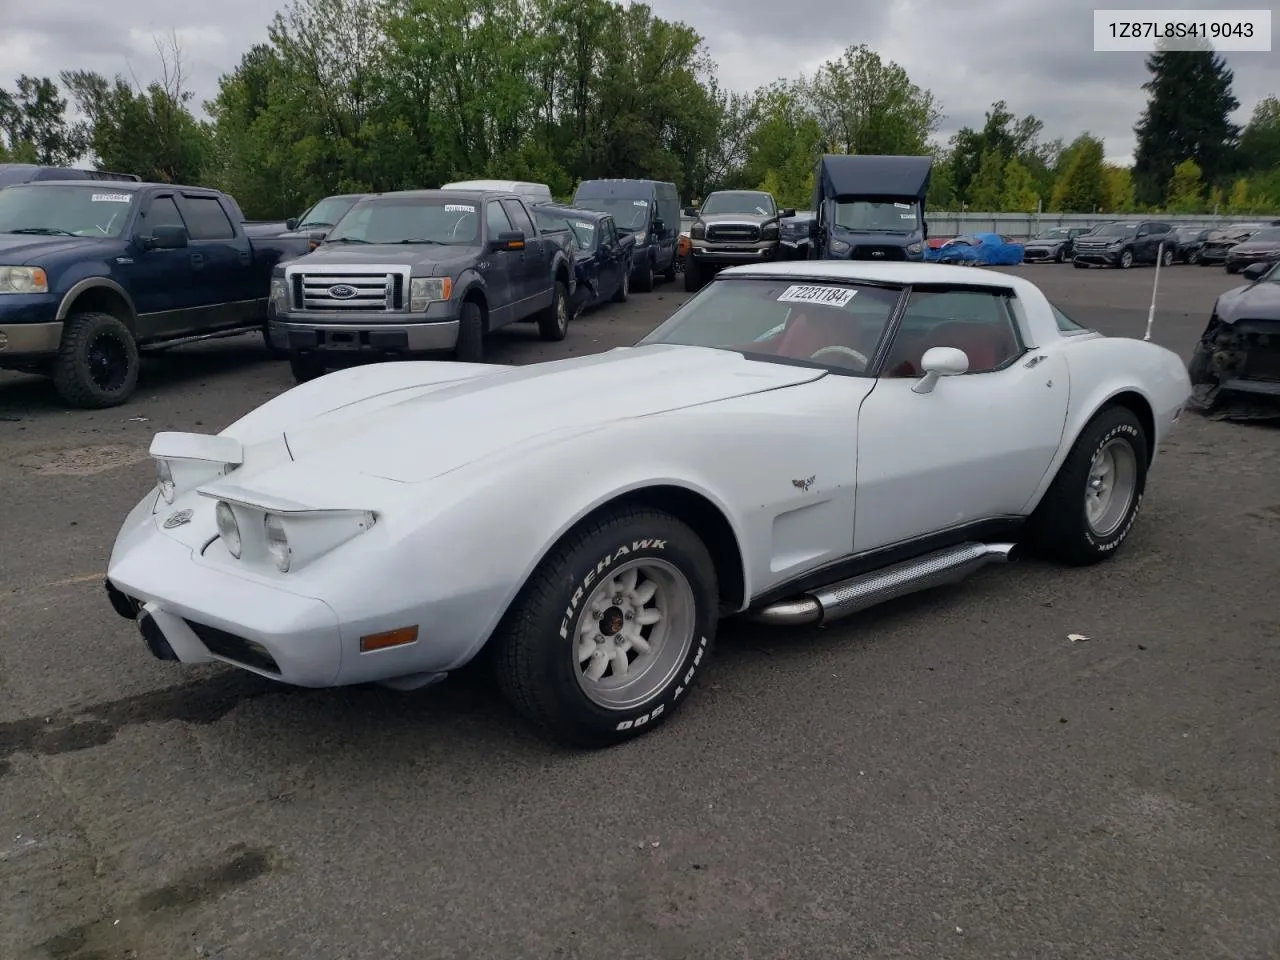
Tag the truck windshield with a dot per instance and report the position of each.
(454, 222)
(874, 216)
(628, 213)
(327, 212)
(740, 201)
(63, 210)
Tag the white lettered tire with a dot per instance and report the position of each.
(1093, 502)
(613, 627)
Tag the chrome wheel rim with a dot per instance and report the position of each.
(562, 314)
(1113, 478)
(633, 634)
(626, 283)
(1126, 259)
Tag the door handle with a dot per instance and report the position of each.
(197, 259)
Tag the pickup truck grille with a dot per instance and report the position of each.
(878, 253)
(733, 233)
(373, 292)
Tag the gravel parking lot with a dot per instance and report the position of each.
(945, 777)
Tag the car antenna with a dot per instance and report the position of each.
(1155, 285)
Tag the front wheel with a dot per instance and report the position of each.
(624, 288)
(97, 362)
(692, 276)
(1059, 256)
(606, 637)
(644, 277)
(1078, 264)
(306, 367)
(1166, 258)
(669, 274)
(1193, 257)
(1092, 504)
(1126, 260)
(553, 323)
(1231, 268)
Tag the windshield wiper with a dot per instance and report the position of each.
(348, 240)
(438, 243)
(43, 231)
(313, 223)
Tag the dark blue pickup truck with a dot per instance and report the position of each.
(91, 271)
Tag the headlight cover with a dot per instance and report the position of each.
(698, 231)
(23, 280)
(228, 528)
(915, 247)
(839, 246)
(425, 290)
(293, 540)
(277, 542)
(279, 295)
(175, 475)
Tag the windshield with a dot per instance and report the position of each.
(827, 324)
(1266, 236)
(749, 202)
(16, 174)
(1233, 233)
(870, 216)
(582, 231)
(410, 220)
(1058, 233)
(1116, 230)
(94, 210)
(327, 212)
(628, 214)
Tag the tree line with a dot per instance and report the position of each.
(372, 95)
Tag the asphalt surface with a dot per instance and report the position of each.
(945, 777)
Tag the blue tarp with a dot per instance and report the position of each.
(977, 249)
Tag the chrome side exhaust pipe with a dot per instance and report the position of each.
(839, 600)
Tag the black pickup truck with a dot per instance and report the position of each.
(91, 271)
(733, 227)
(420, 271)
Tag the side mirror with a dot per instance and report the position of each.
(291, 223)
(166, 238)
(689, 212)
(1256, 271)
(659, 226)
(813, 229)
(789, 212)
(924, 229)
(940, 362)
(509, 240)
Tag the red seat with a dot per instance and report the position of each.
(806, 334)
(986, 345)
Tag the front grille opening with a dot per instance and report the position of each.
(233, 648)
(878, 253)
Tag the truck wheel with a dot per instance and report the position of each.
(97, 362)
(274, 352)
(644, 278)
(669, 274)
(692, 276)
(553, 323)
(597, 651)
(624, 289)
(306, 366)
(470, 346)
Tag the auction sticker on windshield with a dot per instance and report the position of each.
(582, 226)
(808, 293)
(458, 208)
(111, 198)
(640, 203)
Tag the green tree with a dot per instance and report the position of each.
(986, 187)
(942, 186)
(1260, 141)
(1186, 189)
(35, 115)
(1117, 194)
(1188, 115)
(1238, 201)
(868, 105)
(1081, 188)
(1010, 136)
(1018, 193)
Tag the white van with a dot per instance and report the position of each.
(531, 193)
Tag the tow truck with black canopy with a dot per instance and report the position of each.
(870, 207)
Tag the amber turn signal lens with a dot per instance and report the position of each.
(391, 638)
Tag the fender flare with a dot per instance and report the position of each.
(89, 283)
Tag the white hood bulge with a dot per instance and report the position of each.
(431, 433)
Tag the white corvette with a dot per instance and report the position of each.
(797, 442)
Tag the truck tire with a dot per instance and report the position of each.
(470, 346)
(692, 276)
(97, 362)
(669, 274)
(644, 278)
(624, 288)
(306, 367)
(274, 352)
(553, 323)
(564, 623)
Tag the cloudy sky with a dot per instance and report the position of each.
(1038, 57)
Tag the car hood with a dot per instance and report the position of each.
(1257, 301)
(21, 248)
(451, 425)
(440, 259)
(1046, 241)
(752, 218)
(1256, 246)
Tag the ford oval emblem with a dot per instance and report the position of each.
(177, 519)
(342, 291)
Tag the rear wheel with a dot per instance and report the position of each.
(97, 362)
(644, 277)
(553, 323)
(1093, 502)
(606, 637)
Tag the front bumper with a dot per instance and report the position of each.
(29, 340)
(1240, 261)
(1102, 258)
(701, 251)
(298, 332)
(1040, 254)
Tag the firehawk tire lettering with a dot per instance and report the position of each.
(684, 685)
(571, 611)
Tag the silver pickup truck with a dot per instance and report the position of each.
(418, 272)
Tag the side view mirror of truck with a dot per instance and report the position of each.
(509, 240)
(165, 238)
(689, 212)
(659, 226)
(789, 212)
(291, 223)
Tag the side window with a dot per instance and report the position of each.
(206, 219)
(979, 322)
(1065, 323)
(519, 216)
(163, 212)
(608, 235)
(498, 222)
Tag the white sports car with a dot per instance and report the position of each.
(797, 442)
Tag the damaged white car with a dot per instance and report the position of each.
(797, 442)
